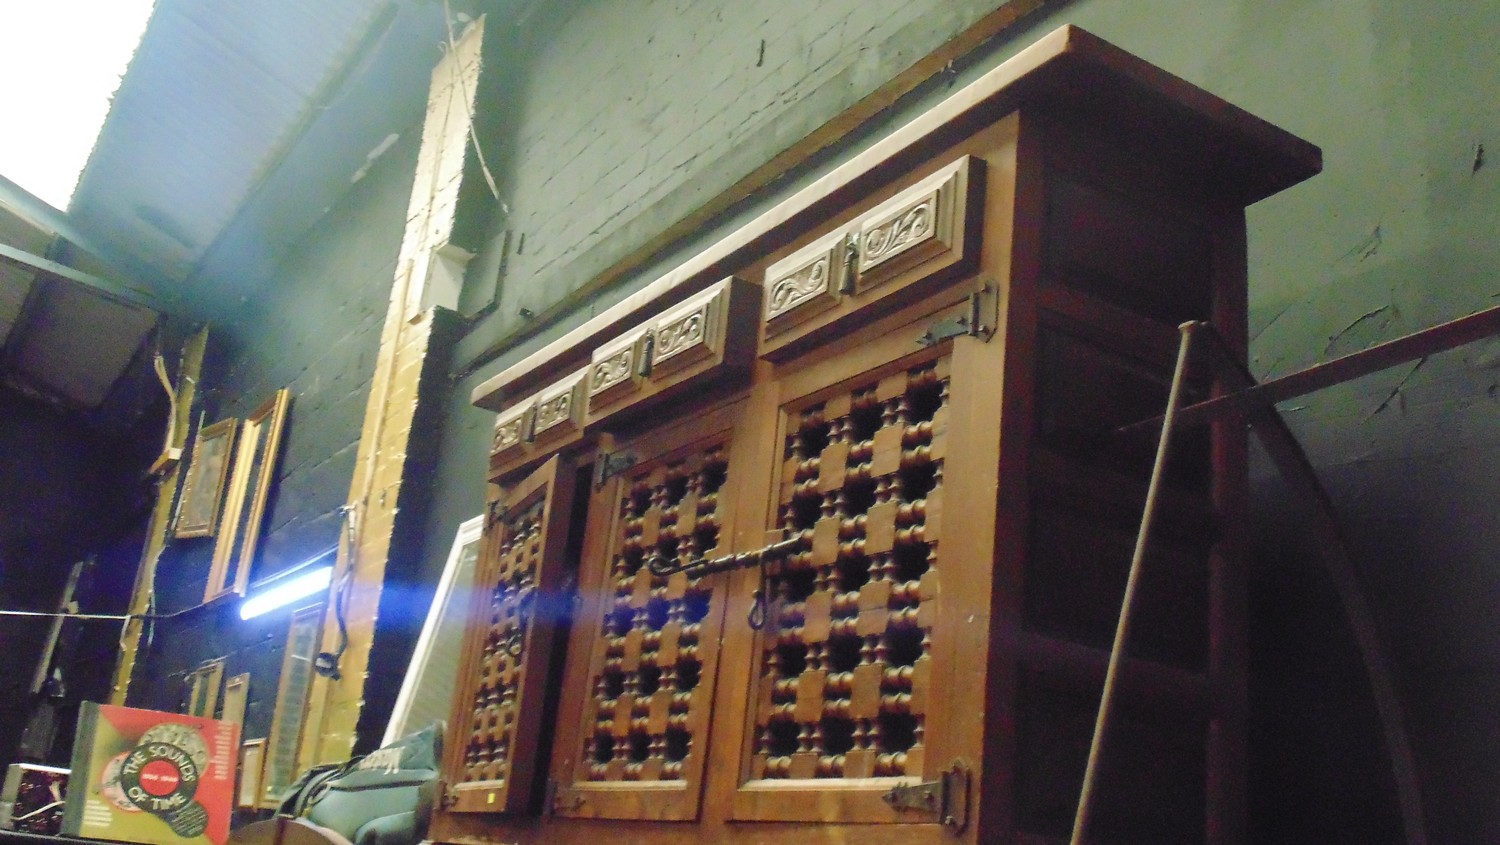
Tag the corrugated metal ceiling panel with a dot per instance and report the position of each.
(177, 157)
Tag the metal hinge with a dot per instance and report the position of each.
(561, 799)
(978, 320)
(947, 797)
(549, 796)
(496, 514)
(612, 464)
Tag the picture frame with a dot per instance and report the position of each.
(249, 488)
(290, 716)
(203, 688)
(252, 768)
(203, 488)
(431, 676)
(236, 697)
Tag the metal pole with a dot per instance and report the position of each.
(1117, 649)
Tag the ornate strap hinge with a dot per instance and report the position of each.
(947, 797)
(612, 464)
(978, 320)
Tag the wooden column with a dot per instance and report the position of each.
(395, 393)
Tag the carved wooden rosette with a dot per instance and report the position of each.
(805, 283)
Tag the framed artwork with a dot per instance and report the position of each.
(236, 695)
(252, 766)
(249, 487)
(427, 690)
(203, 688)
(291, 703)
(203, 489)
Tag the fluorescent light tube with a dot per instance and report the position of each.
(282, 594)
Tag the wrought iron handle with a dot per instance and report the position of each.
(707, 566)
(778, 550)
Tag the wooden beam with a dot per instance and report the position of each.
(1439, 338)
(1328, 534)
(189, 369)
(112, 289)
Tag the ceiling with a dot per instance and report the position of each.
(236, 125)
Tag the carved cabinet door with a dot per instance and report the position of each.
(633, 732)
(518, 607)
(855, 682)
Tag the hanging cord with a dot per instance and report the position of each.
(112, 617)
(469, 107)
(159, 363)
(1117, 649)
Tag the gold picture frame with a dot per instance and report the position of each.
(203, 688)
(249, 487)
(290, 716)
(203, 489)
(236, 697)
(252, 767)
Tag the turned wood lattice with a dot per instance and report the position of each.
(649, 697)
(512, 600)
(844, 676)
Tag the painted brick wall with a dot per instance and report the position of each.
(315, 330)
(619, 118)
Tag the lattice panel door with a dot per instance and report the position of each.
(842, 694)
(647, 696)
(516, 613)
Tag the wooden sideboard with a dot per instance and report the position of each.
(823, 535)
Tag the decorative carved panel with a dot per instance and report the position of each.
(918, 224)
(559, 408)
(614, 370)
(704, 340)
(512, 429)
(691, 332)
(893, 255)
(805, 283)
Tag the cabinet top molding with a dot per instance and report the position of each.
(1069, 73)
